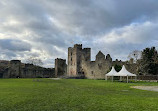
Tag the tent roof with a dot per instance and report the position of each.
(112, 72)
(124, 72)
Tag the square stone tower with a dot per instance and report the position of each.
(75, 57)
(60, 67)
(14, 69)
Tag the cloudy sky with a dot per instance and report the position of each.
(46, 28)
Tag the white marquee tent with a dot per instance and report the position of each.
(123, 73)
(111, 73)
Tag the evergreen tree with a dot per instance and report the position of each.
(149, 61)
(118, 67)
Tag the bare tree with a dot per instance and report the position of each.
(135, 55)
(35, 61)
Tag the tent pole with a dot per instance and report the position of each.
(120, 78)
(105, 77)
(112, 78)
(127, 79)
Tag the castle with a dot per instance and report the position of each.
(80, 64)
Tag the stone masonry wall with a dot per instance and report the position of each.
(60, 67)
(18, 70)
(96, 69)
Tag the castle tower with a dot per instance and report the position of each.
(14, 69)
(75, 57)
(60, 67)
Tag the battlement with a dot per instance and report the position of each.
(86, 49)
(70, 48)
(78, 46)
(15, 61)
(28, 65)
(60, 59)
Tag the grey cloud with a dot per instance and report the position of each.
(120, 42)
(14, 45)
(50, 26)
(97, 16)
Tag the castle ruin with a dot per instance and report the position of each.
(80, 64)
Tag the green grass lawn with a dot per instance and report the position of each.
(74, 95)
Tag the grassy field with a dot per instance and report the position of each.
(74, 95)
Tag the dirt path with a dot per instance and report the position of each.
(55, 78)
(149, 88)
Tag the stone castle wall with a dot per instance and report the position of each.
(98, 68)
(16, 69)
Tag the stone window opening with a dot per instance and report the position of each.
(100, 66)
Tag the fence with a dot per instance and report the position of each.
(148, 77)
